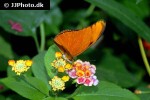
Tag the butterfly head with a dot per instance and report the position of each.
(68, 58)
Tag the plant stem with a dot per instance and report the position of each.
(145, 92)
(42, 33)
(36, 42)
(144, 56)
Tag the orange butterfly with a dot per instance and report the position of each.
(74, 42)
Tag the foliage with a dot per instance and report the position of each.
(120, 61)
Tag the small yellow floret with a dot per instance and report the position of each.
(28, 63)
(65, 78)
(58, 63)
(58, 54)
(68, 66)
(11, 62)
(61, 69)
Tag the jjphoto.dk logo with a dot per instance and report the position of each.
(15, 5)
(6, 5)
(24, 4)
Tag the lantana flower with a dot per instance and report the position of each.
(20, 66)
(81, 72)
(58, 83)
(60, 64)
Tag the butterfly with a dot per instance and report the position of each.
(73, 42)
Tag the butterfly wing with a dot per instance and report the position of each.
(73, 43)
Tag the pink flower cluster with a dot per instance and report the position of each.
(83, 72)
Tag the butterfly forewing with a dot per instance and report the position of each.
(73, 43)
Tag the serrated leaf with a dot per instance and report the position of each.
(105, 91)
(38, 68)
(29, 87)
(29, 20)
(125, 15)
(49, 58)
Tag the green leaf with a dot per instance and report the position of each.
(105, 91)
(134, 68)
(38, 84)
(52, 98)
(49, 58)
(2, 97)
(53, 20)
(54, 3)
(125, 15)
(3, 63)
(138, 1)
(3, 88)
(15, 97)
(5, 50)
(77, 20)
(127, 33)
(111, 68)
(10, 72)
(38, 68)
(29, 20)
(136, 8)
(28, 87)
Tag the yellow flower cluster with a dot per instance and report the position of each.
(58, 83)
(60, 64)
(20, 66)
